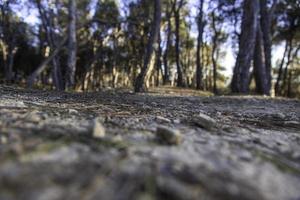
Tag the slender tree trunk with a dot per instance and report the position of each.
(188, 60)
(180, 80)
(266, 19)
(4, 56)
(166, 78)
(259, 65)
(72, 46)
(289, 89)
(48, 27)
(279, 76)
(213, 54)
(200, 25)
(240, 80)
(10, 64)
(56, 75)
(140, 81)
(286, 70)
(210, 80)
(158, 60)
(204, 63)
(215, 89)
(8, 40)
(8, 60)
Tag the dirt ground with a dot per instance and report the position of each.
(160, 145)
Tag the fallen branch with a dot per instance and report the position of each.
(44, 64)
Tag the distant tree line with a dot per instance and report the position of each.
(87, 45)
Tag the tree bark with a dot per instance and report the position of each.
(286, 51)
(259, 65)
(200, 26)
(48, 27)
(180, 80)
(140, 81)
(166, 78)
(240, 80)
(286, 70)
(265, 21)
(10, 64)
(289, 88)
(213, 53)
(8, 37)
(158, 60)
(72, 46)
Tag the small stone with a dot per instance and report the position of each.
(278, 116)
(98, 129)
(292, 123)
(219, 113)
(3, 140)
(33, 117)
(227, 128)
(176, 121)
(285, 149)
(16, 104)
(205, 121)
(296, 155)
(19, 104)
(73, 111)
(245, 155)
(163, 119)
(256, 140)
(117, 138)
(168, 135)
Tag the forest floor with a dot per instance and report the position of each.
(160, 145)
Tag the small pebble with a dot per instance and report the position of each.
(292, 123)
(176, 121)
(168, 135)
(98, 129)
(296, 155)
(278, 116)
(163, 119)
(3, 140)
(33, 117)
(17, 104)
(73, 111)
(205, 121)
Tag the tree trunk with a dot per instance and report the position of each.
(48, 27)
(215, 89)
(8, 40)
(180, 81)
(266, 19)
(72, 46)
(158, 60)
(10, 64)
(286, 51)
(286, 70)
(213, 54)
(140, 81)
(240, 80)
(200, 26)
(259, 65)
(166, 78)
(289, 89)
